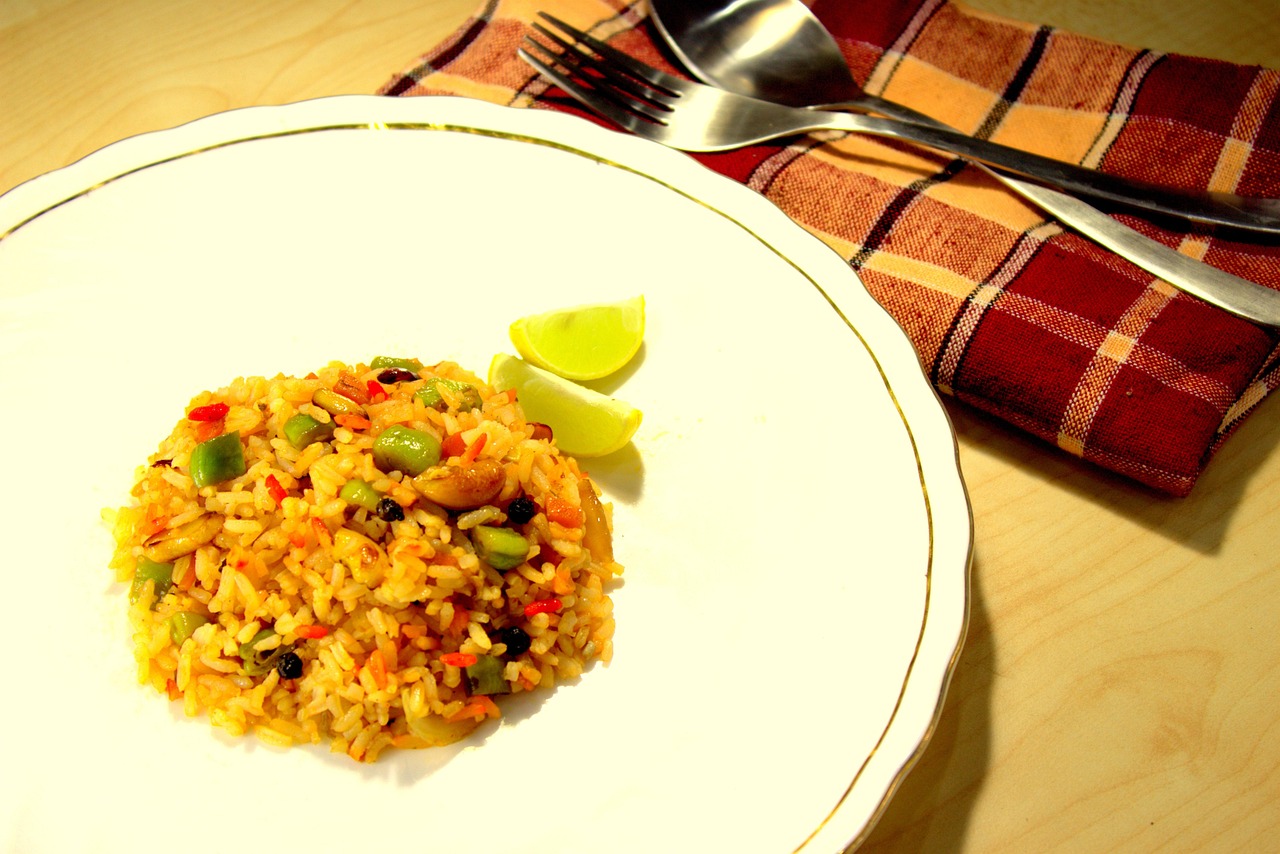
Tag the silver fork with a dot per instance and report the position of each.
(694, 117)
(613, 84)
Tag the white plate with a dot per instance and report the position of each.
(791, 515)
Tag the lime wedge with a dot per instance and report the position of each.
(585, 423)
(584, 342)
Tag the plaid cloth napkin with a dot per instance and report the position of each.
(1008, 312)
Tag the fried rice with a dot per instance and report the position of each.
(372, 556)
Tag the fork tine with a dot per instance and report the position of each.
(573, 57)
(593, 81)
(603, 103)
(667, 84)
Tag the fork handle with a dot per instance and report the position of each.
(1241, 297)
(1218, 208)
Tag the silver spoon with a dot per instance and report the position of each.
(778, 51)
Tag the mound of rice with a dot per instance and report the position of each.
(281, 608)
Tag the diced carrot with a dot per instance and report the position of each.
(490, 707)
(378, 668)
(461, 617)
(188, 579)
(297, 538)
(474, 709)
(171, 688)
(445, 559)
(563, 513)
(413, 631)
(474, 449)
(458, 659)
(154, 522)
(352, 421)
(206, 430)
(312, 632)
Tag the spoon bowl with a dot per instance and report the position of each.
(775, 50)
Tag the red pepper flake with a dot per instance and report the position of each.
(453, 445)
(376, 392)
(275, 490)
(312, 632)
(458, 659)
(211, 412)
(321, 531)
(543, 606)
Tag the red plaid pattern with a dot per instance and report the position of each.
(1008, 312)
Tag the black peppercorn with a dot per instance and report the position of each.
(521, 510)
(516, 639)
(390, 511)
(289, 666)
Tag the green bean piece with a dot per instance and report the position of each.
(149, 570)
(217, 460)
(260, 661)
(485, 676)
(501, 548)
(183, 623)
(396, 362)
(402, 448)
(301, 430)
(361, 494)
(430, 395)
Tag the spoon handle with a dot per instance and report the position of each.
(1239, 296)
(1218, 208)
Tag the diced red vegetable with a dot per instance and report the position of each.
(453, 445)
(209, 412)
(543, 606)
(459, 659)
(312, 632)
(376, 392)
(275, 490)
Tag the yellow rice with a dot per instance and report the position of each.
(258, 552)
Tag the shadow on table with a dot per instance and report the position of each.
(1199, 521)
(931, 809)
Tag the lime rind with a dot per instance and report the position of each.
(584, 342)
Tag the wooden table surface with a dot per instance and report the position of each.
(1120, 685)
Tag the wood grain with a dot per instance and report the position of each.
(1119, 685)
